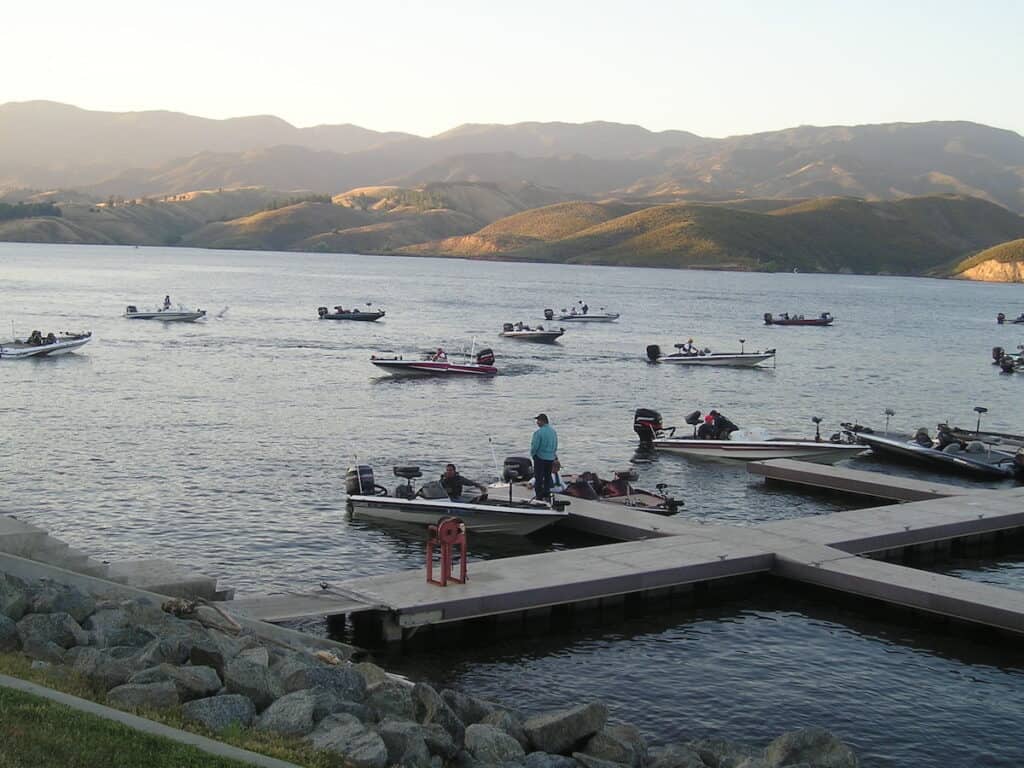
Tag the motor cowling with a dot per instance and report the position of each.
(768, 318)
(131, 309)
(1000, 318)
(549, 314)
(321, 311)
(485, 356)
(359, 480)
(647, 424)
(506, 327)
(517, 469)
(653, 352)
(997, 354)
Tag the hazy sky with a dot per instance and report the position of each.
(716, 67)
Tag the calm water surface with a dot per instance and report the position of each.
(225, 443)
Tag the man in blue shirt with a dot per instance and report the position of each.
(543, 451)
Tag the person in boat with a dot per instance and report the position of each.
(453, 484)
(167, 301)
(440, 356)
(35, 339)
(688, 349)
(573, 312)
(585, 309)
(50, 338)
(543, 451)
(519, 325)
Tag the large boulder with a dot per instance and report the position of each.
(815, 746)
(190, 682)
(405, 744)
(38, 629)
(106, 667)
(9, 638)
(291, 715)
(150, 696)
(675, 756)
(344, 735)
(721, 753)
(429, 707)
(510, 723)
(491, 746)
(167, 650)
(328, 702)
(113, 626)
(589, 761)
(439, 741)
(618, 743)
(220, 712)
(52, 597)
(371, 673)
(14, 597)
(560, 732)
(469, 709)
(344, 680)
(253, 680)
(544, 760)
(391, 698)
(212, 649)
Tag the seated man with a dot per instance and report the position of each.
(453, 482)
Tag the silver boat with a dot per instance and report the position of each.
(37, 345)
(686, 354)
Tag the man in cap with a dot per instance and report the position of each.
(543, 451)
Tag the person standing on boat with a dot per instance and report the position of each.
(453, 483)
(543, 451)
(167, 301)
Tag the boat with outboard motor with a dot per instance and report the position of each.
(1002, 440)
(716, 437)
(1007, 361)
(165, 313)
(687, 354)
(581, 315)
(1001, 319)
(945, 453)
(518, 471)
(482, 513)
(437, 364)
(340, 313)
(526, 333)
(38, 345)
(825, 318)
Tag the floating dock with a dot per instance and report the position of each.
(663, 557)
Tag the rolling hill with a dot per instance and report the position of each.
(1001, 263)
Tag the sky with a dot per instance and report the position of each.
(716, 68)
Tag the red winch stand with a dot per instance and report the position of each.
(450, 532)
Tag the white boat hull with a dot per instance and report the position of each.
(546, 336)
(18, 349)
(588, 318)
(518, 520)
(759, 450)
(432, 368)
(739, 359)
(168, 315)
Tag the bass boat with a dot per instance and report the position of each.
(944, 454)
(429, 503)
(363, 315)
(38, 345)
(583, 315)
(825, 318)
(526, 333)
(438, 364)
(518, 471)
(1008, 362)
(715, 437)
(1018, 320)
(166, 313)
(687, 354)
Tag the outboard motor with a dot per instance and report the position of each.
(767, 318)
(359, 481)
(517, 469)
(506, 327)
(321, 311)
(647, 424)
(1000, 318)
(653, 352)
(549, 314)
(997, 354)
(131, 309)
(485, 356)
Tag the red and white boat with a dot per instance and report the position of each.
(438, 364)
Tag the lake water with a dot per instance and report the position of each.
(224, 444)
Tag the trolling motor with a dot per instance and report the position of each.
(817, 428)
(978, 409)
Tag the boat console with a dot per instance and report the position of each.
(408, 473)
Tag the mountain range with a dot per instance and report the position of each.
(446, 194)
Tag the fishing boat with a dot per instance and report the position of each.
(1002, 440)
(687, 354)
(972, 458)
(825, 318)
(361, 315)
(582, 315)
(165, 313)
(1001, 318)
(589, 486)
(38, 345)
(719, 438)
(482, 513)
(437, 364)
(526, 333)
(1008, 362)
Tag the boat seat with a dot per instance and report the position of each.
(627, 474)
(408, 472)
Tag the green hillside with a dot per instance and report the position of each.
(1003, 253)
(909, 236)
